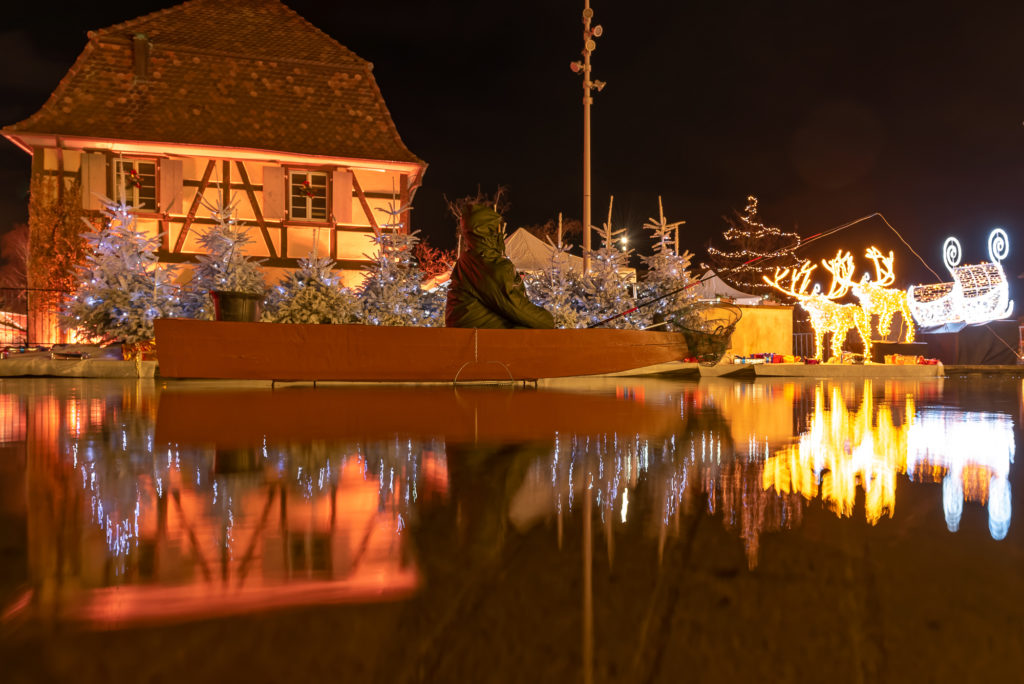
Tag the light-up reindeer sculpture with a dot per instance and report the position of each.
(826, 315)
(878, 299)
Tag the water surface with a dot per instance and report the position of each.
(609, 530)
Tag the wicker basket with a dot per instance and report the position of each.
(708, 330)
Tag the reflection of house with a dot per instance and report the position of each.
(227, 99)
(120, 533)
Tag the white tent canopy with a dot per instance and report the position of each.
(713, 287)
(531, 254)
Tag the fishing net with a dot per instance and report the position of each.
(708, 329)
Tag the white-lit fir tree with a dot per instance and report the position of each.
(225, 266)
(559, 289)
(391, 292)
(607, 287)
(667, 276)
(312, 293)
(121, 287)
(752, 240)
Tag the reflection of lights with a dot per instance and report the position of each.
(948, 443)
(845, 450)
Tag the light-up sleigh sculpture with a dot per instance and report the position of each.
(978, 293)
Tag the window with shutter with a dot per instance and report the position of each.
(136, 178)
(307, 195)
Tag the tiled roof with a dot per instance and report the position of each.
(233, 73)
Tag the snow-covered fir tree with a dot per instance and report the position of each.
(559, 289)
(312, 293)
(391, 293)
(224, 266)
(434, 301)
(750, 238)
(607, 287)
(121, 288)
(667, 272)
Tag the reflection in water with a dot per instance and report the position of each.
(309, 496)
(972, 453)
(869, 447)
(696, 468)
(135, 531)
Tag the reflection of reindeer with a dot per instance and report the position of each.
(877, 299)
(827, 316)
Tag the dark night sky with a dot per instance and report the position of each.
(826, 111)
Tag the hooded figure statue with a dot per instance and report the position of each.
(485, 290)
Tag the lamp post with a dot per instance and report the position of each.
(589, 45)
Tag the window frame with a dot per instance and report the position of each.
(133, 191)
(290, 172)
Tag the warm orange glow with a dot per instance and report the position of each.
(29, 140)
(12, 419)
(827, 317)
(877, 299)
(846, 451)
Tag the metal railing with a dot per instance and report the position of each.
(803, 344)
(28, 316)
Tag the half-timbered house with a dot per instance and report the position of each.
(235, 100)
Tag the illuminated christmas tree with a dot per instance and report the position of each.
(667, 272)
(391, 293)
(313, 293)
(224, 266)
(607, 286)
(749, 238)
(121, 287)
(559, 289)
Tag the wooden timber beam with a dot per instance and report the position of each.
(279, 262)
(251, 193)
(196, 201)
(403, 199)
(366, 205)
(225, 184)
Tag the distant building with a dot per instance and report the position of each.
(231, 99)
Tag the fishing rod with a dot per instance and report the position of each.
(711, 274)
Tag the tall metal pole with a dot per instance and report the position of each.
(587, 100)
(589, 45)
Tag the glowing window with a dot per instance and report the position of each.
(308, 195)
(136, 178)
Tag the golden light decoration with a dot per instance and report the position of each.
(878, 299)
(845, 450)
(827, 317)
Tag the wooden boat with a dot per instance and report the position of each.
(363, 353)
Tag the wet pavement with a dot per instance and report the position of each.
(617, 530)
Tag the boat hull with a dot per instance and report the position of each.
(277, 351)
